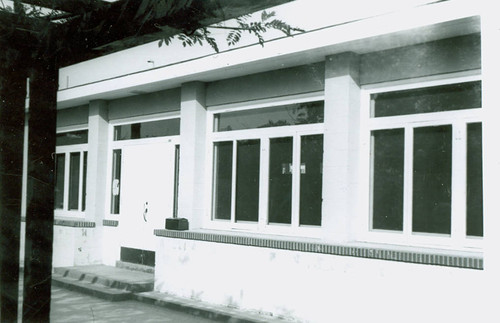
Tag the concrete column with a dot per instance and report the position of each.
(97, 161)
(192, 153)
(490, 52)
(342, 106)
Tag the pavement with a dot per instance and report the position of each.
(70, 306)
(110, 294)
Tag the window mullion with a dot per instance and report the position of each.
(459, 181)
(408, 182)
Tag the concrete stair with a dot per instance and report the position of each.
(131, 282)
(106, 282)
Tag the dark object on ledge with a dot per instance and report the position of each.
(180, 224)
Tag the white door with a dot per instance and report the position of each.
(147, 192)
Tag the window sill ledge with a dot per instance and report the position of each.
(73, 222)
(428, 256)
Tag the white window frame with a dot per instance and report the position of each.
(67, 150)
(459, 120)
(264, 134)
(120, 144)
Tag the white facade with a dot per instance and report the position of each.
(258, 239)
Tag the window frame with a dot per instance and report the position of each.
(458, 119)
(264, 135)
(67, 150)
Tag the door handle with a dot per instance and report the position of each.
(145, 212)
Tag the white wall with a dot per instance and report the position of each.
(75, 246)
(110, 246)
(313, 287)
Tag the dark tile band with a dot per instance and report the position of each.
(110, 223)
(338, 250)
(74, 223)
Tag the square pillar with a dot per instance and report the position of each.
(97, 161)
(192, 154)
(342, 121)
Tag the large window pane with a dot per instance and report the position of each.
(223, 168)
(115, 181)
(72, 138)
(280, 180)
(247, 180)
(74, 180)
(474, 180)
(285, 115)
(84, 183)
(430, 99)
(59, 180)
(176, 180)
(432, 179)
(311, 179)
(168, 127)
(388, 179)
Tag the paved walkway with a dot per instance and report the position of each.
(68, 306)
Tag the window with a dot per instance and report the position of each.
(150, 129)
(267, 166)
(71, 171)
(115, 181)
(426, 161)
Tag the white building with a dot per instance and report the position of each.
(346, 173)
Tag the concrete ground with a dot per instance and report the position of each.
(69, 306)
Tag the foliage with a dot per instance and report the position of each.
(88, 28)
(255, 28)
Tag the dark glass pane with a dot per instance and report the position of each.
(285, 115)
(311, 179)
(84, 183)
(223, 169)
(72, 138)
(430, 99)
(388, 179)
(160, 128)
(59, 180)
(115, 181)
(247, 180)
(432, 148)
(474, 180)
(176, 180)
(74, 180)
(280, 180)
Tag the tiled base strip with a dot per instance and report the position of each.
(109, 223)
(338, 250)
(74, 223)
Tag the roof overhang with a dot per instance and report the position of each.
(423, 24)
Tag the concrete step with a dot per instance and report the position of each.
(136, 267)
(106, 282)
(85, 287)
(210, 311)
